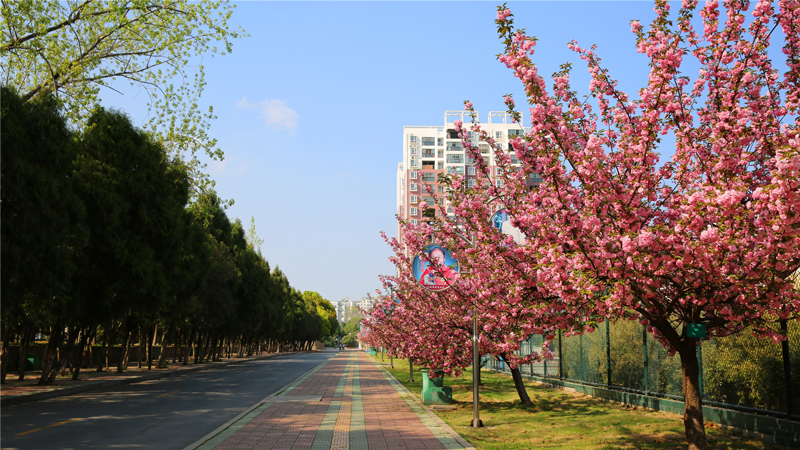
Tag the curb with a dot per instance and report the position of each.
(238, 417)
(22, 399)
(464, 443)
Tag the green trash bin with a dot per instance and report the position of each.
(32, 363)
(434, 391)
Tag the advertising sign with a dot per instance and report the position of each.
(437, 277)
(501, 221)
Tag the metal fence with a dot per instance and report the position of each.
(739, 372)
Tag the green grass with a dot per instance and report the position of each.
(561, 420)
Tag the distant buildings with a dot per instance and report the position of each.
(346, 309)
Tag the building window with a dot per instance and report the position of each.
(439, 141)
(441, 189)
(429, 177)
(428, 141)
(498, 134)
(499, 170)
(471, 170)
(413, 175)
(473, 135)
(440, 165)
(499, 183)
(440, 153)
(413, 187)
(412, 138)
(455, 159)
(414, 211)
(412, 163)
(471, 182)
(514, 133)
(414, 199)
(413, 221)
(413, 150)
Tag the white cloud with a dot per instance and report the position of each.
(216, 167)
(276, 113)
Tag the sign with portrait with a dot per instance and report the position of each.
(438, 276)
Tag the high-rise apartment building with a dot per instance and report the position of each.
(429, 151)
(346, 309)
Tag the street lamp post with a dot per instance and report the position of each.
(476, 367)
(476, 415)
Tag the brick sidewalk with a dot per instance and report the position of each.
(348, 402)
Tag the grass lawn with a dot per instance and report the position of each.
(561, 420)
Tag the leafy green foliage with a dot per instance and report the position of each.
(75, 48)
(41, 226)
(98, 237)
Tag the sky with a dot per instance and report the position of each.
(311, 108)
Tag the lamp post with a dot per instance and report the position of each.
(476, 418)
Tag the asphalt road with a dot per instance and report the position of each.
(168, 413)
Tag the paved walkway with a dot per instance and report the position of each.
(348, 402)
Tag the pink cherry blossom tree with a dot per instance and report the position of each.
(705, 239)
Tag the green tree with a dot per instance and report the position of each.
(41, 226)
(135, 199)
(74, 48)
(352, 326)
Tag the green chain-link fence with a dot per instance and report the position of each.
(739, 372)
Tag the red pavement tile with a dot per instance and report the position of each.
(388, 421)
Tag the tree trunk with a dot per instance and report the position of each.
(189, 339)
(50, 357)
(197, 346)
(123, 356)
(522, 392)
(410, 370)
(150, 338)
(59, 360)
(68, 360)
(77, 360)
(139, 350)
(176, 345)
(27, 335)
(101, 359)
(162, 357)
(693, 403)
(203, 347)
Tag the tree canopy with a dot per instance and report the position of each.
(73, 49)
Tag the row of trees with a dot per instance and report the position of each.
(697, 246)
(100, 242)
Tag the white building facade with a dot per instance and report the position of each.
(346, 309)
(429, 151)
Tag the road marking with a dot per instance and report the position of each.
(49, 426)
(219, 379)
(61, 423)
(157, 396)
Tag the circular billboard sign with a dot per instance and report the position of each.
(502, 222)
(439, 276)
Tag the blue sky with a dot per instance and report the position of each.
(311, 109)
